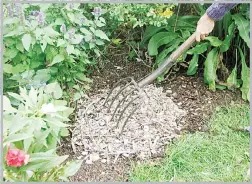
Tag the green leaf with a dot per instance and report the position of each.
(11, 53)
(243, 27)
(78, 39)
(17, 137)
(33, 94)
(185, 34)
(26, 40)
(55, 89)
(41, 137)
(61, 42)
(55, 122)
(193, 65)
(220, 87)
(226, 43)
(7, 105)
(42, 75)
(198, 49)
(72, 168)
(18, 68)
(57, 59)
(158, 40)
(17, 124)
(248, 95)
(227, 20)
(70, 49)
(210, 69)
(88, 38)
(33, 166)
(83, 78)
(7, 68)
(232, 79)
(64, 132)
(245, 76)
(54, 162)
(48, 40)
(99, 42)
(27, 144)
(50, 32)
(172, 46)
(214, 41)
(77, 96)
(16, 96)
(85, 31)
(101, 34)
(59, 21)
(150, 31)
(20, 46)
(97, 52)
(43, 45)
(71, 16)
(91, 45)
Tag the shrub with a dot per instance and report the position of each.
(34, 122)
(48, 42)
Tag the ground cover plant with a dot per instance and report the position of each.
(59, 55)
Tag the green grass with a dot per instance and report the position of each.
(220, 155)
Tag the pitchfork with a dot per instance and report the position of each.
(136, 86)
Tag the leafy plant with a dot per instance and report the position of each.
(136, 15)
(53, 41)
(163, 40)
(34, 122)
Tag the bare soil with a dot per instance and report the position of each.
(189, 93)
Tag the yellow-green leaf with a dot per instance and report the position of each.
(57, 59)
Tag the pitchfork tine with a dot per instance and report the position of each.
(110, 92)
(125, 110)
(116, 84)
(123, 100)
(132, 112)
(118, 93)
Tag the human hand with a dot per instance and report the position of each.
(204, 27)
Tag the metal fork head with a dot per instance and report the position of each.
(129, 90)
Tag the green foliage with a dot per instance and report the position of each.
(34, 121)
(136, 15)
(211, 68)
(163, 40)
(158, 40)
(193, 65)
(243, 26)
(56, 38)
(245, 76)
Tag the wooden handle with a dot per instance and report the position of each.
(183, 48)
(169, 61)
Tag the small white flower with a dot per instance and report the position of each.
(48, 108)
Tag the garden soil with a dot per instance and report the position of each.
(189, 97)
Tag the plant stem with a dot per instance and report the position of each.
(176, 18)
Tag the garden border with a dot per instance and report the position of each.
(102, 1)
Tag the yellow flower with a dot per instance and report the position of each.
(167, 13)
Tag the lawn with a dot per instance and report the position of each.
(222, 154)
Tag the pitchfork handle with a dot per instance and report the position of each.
(169, 61)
